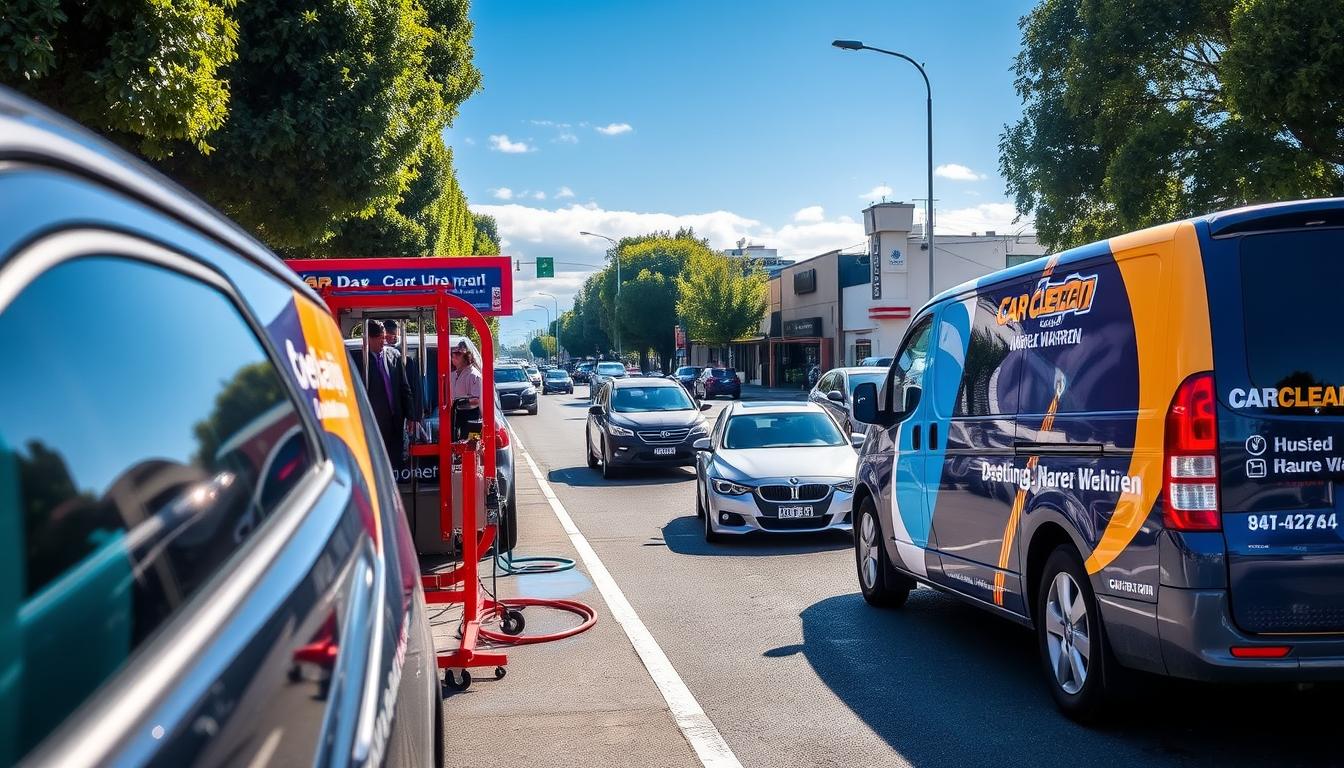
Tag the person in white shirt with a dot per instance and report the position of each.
(465, 381)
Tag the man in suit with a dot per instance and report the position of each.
(389, 392)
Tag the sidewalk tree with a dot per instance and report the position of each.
(648, 307)
(648, 318)
(721, 299)
(542, 346)
(1140, 112)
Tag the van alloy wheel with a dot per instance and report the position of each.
(868, 545)
(1068, 633)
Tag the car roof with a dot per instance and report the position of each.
(773, 406)
(643, 381)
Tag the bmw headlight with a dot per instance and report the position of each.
(729, 488)
(620, 431)
(846, 486)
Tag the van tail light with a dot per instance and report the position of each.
(1190, 471)
(501, 436)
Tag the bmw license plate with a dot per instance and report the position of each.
(787, 513)
(664, 451)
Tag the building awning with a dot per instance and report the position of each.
(889, 313)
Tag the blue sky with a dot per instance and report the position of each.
(735, 117)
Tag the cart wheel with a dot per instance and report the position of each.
(450, 679)
(500, 672)
(513, 623)
(295, 674)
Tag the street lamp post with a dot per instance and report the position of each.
(549, 321)
(557, 319)
(855, 45)
(616, 309)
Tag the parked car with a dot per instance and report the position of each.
(716, 382)
(581, 372)
(533, 375)
(556, 380)
(602, 373)
(642, 423)
(875, 362)
(201, 570)
(1165, 422)
(835, 393)
(686, 376)
(777, 467)
(515, 388)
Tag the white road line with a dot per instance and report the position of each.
(695, 725)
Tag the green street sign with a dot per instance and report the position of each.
(545, 266)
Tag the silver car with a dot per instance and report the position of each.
(776, 467)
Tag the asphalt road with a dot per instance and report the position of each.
(773, 639)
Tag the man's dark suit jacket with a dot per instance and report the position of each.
(392, 413)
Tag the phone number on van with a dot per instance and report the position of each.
(1290, 522)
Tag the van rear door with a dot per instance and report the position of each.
(1275, 308)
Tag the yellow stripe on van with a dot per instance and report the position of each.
(1170, 310)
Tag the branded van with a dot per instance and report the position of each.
(1131, 446)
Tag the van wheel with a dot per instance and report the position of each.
(882, 585)
(1075, 656)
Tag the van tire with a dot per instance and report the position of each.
(1063, 576)
(881, 584)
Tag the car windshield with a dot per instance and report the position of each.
(687, 370)
(797, 429)
(556, 375)
(508, 374)
(855, 379)
(609, 369)
(645, 399)
(531, 369)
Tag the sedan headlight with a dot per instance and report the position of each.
(730, 488)
(846, 486)
(529, 391)
(620, 431)
(700, 430)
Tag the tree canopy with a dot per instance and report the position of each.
(722, 299)
(314, 125)
(1138, 112)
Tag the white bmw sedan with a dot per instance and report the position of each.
(777, 467)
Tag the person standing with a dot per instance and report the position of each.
(465, 382)
(389, 392)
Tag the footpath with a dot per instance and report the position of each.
(586, 700)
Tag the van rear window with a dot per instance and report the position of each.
(1290, 295)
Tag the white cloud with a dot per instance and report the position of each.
(614, 129)
(470, 142)
(503, 193)
(810, 214)
(563, 192)
(566, 138)
(538, 195)
(956, 172)
(963, 221)
(877, 193)
(500, 143)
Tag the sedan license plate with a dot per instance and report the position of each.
(664, 451)
(787, 513)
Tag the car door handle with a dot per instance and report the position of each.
(914, 438)
(933, 437)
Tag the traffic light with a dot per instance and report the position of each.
(545, 266)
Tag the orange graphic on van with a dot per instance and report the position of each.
(1073, 294)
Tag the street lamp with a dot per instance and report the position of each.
(549, 322)
(855, 45)
(557, 318)
(616, 313)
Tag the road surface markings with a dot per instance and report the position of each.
(695, 725)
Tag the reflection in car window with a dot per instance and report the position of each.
(855, 379)
(643, 399)
(782, 430)
(143, 463)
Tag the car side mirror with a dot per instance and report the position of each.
(704, 406)
(865, 403)
(595, 410)
(856, 439)
(702, 444)
(835, 397)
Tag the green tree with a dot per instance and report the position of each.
(1138, 112)
(542, 346)
(650, 325)
(722, 299)
(571, 331)
(487, 235)
(648, 313)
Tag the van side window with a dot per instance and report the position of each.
(132, 469)
(988, 384)
(907, 370)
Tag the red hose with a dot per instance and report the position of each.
(495, 609)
